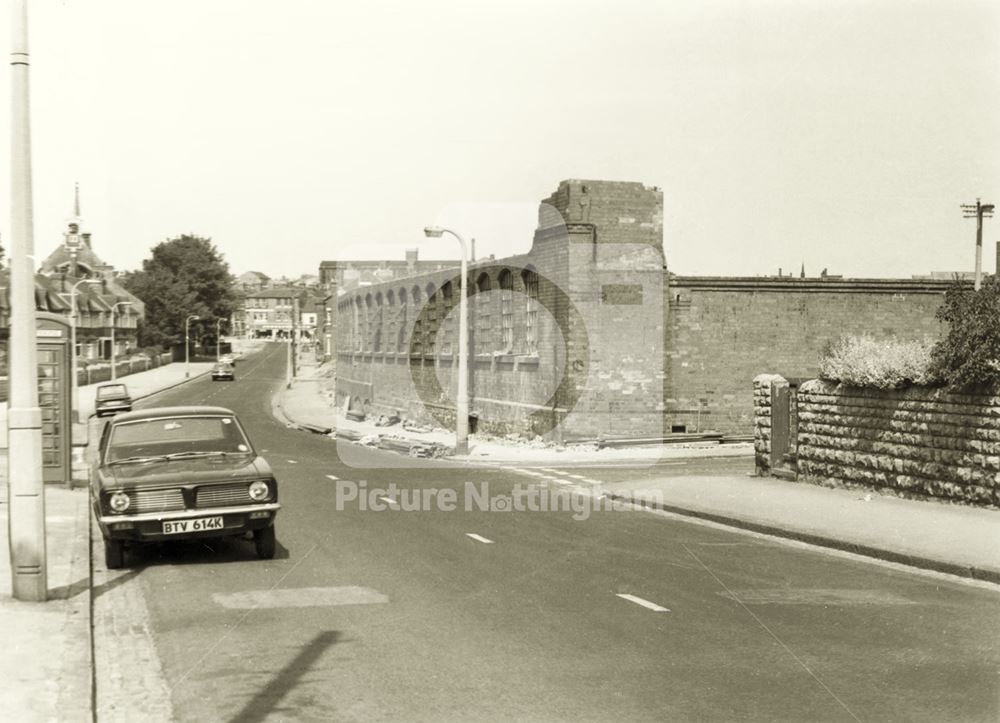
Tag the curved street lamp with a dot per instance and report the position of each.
(114, 374)
(462, 401)
(187, 344)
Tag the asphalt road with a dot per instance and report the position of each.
(473, 615)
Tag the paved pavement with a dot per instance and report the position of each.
(955, 539)
(46, 666)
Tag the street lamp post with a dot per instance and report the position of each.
(978, 211)
(187, 344)
(114, 374)
(26, 522)
(462, 401)
(218, 331)
(73, 385)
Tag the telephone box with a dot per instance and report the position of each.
(54, 389)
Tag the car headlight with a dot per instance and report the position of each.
(259, 491)
(119, 502)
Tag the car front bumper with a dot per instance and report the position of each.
(148, 526)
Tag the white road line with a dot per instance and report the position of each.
(645, 603)
(478, 538)
(333, 477)
(292, 461)
(580, 477)
(389, 500)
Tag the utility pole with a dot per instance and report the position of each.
(295, 336)
(978, 211)
(24, 417)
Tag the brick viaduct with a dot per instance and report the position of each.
(588, 334)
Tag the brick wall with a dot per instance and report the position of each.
(722, 332)
(916, 442)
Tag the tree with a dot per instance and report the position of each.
(183, 276)
(969, 355)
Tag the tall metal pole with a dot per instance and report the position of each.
(462, 403)
(295, 336)
(979, 247)
(187, 345)
(218, 328)
(26, 520)
(978, 212)
(462, 400)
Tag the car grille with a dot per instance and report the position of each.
(157, 501)
(221, 495)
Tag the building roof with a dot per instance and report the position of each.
(280, 292)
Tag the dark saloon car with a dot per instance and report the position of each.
(223, 371)
(111, 399)
(177, 473)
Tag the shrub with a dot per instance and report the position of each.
(969, 354)
(863, 361)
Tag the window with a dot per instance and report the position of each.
(448, 341)
(432, 322)
(506, 311)
(416, 337)
(531, 315)
(391, 322)
(401, 323)
(484, 324)
(377, 325)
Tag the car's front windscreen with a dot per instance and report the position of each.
(176, 437)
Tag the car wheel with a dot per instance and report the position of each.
(264, 541)
(114, 554)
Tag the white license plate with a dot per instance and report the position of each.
(198, 525)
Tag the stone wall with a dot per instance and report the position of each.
(916, 442)
(723, 331)
(762, 385)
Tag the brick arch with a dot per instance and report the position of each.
(562, 311)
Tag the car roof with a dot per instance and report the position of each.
(163, 412)
(112, 384)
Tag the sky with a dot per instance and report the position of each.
(840, 134)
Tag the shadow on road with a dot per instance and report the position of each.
(200, 552)
(261, 705)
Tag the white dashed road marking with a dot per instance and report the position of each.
(645, 603)
(579, 477)
(478, 538)
(333, 477)
(292, 461)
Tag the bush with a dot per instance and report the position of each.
(969, 355)
(863, 361)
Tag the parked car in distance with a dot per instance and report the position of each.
(112, 398)
(174, 473)
(223, 371)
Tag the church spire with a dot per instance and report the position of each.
(76, 200)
